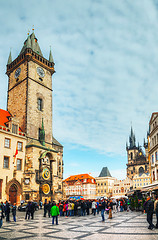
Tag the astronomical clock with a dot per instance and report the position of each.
(45, 176)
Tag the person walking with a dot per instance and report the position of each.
(54, 213)
(32, 209)
(102, 207)
(28, 210)
(156, 210)
(1, 214)
(94, 205)
(45, 208)
(7, 211)
(110, 209)
(14, 212)
(149, 209)
(49, 206)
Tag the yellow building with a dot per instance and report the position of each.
(104, 187)
(12, 158)
(141, 180)
(122, 187)
(30, 101)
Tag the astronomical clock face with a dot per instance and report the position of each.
(46, 189)
(46, 173)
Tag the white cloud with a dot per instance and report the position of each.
(106, 65)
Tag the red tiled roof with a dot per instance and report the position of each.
(78, 177)
(4, 117)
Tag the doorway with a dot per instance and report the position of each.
(13, 194)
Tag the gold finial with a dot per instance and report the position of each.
(28, 32)
(33, 28)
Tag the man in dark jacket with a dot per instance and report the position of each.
(7, 211)
(149, 209)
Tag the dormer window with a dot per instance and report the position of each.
(14, 128)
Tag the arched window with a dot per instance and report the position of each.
(40, 104)
(141, 170)
(131, 155)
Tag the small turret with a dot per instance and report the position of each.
(50, 56)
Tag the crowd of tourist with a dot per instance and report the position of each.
(78, 208)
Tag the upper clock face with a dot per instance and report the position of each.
(17, 72)
(40, 72)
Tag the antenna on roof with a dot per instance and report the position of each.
(33, 28)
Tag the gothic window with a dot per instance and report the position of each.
(153, 176)
(141, 170)
(131, 155)
(145, 167)
(40, 104)
(152, 159)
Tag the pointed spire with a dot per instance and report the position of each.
(132, 139)
(10, 58)
(28, 42)
(50, 56)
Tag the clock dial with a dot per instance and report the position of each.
(17, 72)
(46, 173)
(40, 72)
(27, 181)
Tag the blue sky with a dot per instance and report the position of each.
(106, 62)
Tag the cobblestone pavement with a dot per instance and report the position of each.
(124, 226)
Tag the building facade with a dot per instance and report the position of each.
(138, 162)
(80, 185)
(30, 102)
(153, 138)
(104, 187)
(141, 180)
(122, 187)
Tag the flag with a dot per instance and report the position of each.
(16, 152)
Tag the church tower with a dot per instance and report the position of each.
(30, 100)
(137, 160)
(30, 89)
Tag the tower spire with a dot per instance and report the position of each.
(132, 139)
(50, 56)
(9, 58)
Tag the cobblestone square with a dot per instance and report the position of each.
(125, 225)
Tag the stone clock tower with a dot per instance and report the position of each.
(30, 100)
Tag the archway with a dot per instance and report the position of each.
(141, 170)
(13, 194)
